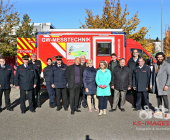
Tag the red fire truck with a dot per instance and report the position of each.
(95, 44)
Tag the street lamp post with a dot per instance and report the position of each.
(161, 29)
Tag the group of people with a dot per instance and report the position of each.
(83, 83)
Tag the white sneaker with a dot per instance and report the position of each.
(104, 111)
(100, 113)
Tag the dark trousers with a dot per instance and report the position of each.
(51, 93)
(134, 97)
(142, 96)
(111, 97)
(103, 102)
(84, 97)
(7, 97)
(62, 91)
(74, 96)
(23, 98)
(165, 99)
(36, 91)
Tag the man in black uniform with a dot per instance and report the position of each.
(38, 68)
(6, 82)
(59, 82)
(141, 83)
(26, 80)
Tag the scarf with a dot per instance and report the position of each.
(91, 68)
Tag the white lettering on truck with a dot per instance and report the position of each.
(66, 39)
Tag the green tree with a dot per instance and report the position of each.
(9, 18)
(25, 30)
(113, 17)
(157, 40)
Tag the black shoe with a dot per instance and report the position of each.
(123, 110)
(0, 110)
(10, 109)
(66, 109)
(136, 109)
(33, 111)
(85, 106)
(58, 109)
(72, 112)
(52, 106)
(77, 110)
(39, 106)
(23, 112)
(112, 110)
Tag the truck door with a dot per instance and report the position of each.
(103, 47)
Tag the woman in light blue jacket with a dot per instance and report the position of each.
(103, 78)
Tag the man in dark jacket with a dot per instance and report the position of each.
(59, 82)
(82, 91)
(38, 67)
(74, 75)
(6, 82)
(47, 76)
(132, 64)
(26, 79)
(112, 64)
(121, 82)
(141, 83)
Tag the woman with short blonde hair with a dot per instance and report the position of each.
(89, 76)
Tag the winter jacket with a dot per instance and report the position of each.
(58, 76)
(6, 77)
(26, 78)
(89, 76)
(121, 78)
(46, 73)
(141, 78)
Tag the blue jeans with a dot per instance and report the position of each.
(103, 102)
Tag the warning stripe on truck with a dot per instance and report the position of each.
(25, 46)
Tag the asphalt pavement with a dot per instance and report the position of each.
(48, 124)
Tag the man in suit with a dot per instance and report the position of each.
(38, 68)
(141, 83)
(26, 79)
(160, 81)
(74, 75)
(82, 91)
(6, 82)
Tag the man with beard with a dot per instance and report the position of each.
(132, 64)
(160, 81)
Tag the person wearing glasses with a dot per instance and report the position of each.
(132, 64)
(103, 78)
